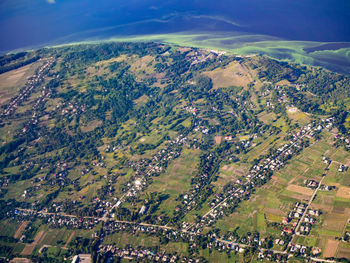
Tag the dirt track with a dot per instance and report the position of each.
(69, 239)
(28, 249)
(20, 229)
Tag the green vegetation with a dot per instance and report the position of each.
(177, 150)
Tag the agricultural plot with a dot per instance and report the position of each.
(129, 140)
(20, 229)
(10, 228)
(330, 248)
(343, 251)
(175, 180)
(124, 239)
(255, 214)
(229, 173)
(233, 74)
(12, 81)
(59, 237)
(298, 116)
(29, 248)
(300, 190)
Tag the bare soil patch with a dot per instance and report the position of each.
(338, 210)
(20, 229)
(28, 249)
(343, 192)
(273, 211)
(92, 125)
(234, 168)
(330, 248)
(293, 110)
(335, 222)
(227, 168)
(300, 189)
(267, 117)
(143, 64)
(184, 49)
(12, 81)
(275, 178)
(20, 260)
(142, 100)
(11, 77)
(343, 252)
(218, 139)
(233, 75)
(322, 207)
(283, 82)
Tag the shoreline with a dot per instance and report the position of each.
(333, 58)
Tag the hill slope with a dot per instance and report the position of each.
(175, 152)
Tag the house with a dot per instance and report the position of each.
(143, 210)
(289, 231)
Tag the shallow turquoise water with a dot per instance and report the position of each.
(26, 23)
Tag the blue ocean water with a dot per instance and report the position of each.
(25, 23)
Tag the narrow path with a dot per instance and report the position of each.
(69, 240)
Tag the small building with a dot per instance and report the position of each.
(143, 210)
(82, 258)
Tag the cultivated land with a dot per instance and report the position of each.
(144, 151)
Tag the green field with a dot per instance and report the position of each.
(182, 131)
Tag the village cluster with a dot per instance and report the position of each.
(298, 222)
(103, 213)
(258, 175)
(33, 82)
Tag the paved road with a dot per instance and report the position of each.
(98, 218)
(172, 228)
(218, 239)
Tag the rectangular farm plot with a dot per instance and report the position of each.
(55, 236)
(343, 192)
(343, 251)
(229, 173)
(12, 81)
(341, 156)
(176, 179)
(20, 229)
(28, 249)
(333, 225)
(300, 189)
(9, 228)
(330, 248)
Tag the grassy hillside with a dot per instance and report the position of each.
(185, 152)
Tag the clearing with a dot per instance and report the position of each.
(91, 125)
(300, 189)
(330, 248)
(12, 81)
(28, 249)
(343, 192)
(234, 74)
(20, 229)
(218, 139)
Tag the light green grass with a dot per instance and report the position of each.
(332, 233)
(247, 44)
